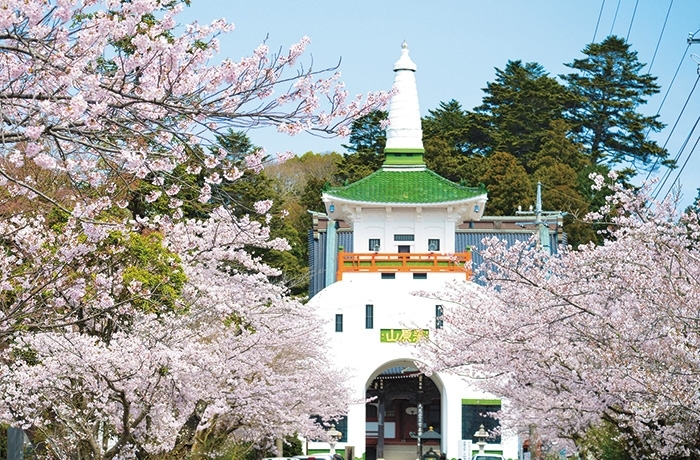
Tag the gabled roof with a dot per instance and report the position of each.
(416, 186)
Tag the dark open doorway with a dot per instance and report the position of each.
(398, 396)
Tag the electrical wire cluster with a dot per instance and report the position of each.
(669, 175)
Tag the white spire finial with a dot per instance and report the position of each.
(404, 62)
(404, 130)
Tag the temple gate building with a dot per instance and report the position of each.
(400, 230)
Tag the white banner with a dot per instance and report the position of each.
(465, 449)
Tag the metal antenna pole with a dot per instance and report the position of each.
(540, 221)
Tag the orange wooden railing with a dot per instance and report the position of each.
(402, 262)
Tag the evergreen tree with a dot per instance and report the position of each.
(517, 110)
(562, 167)
(442, 158)
(367, 142)
(452, 124)
(367, 133)
(251, 188)
(610, 89)
(446, 161)
(311, 196)
(299, 182)
(695, 206)
(508, 185)
(352, 167)
(239, 197)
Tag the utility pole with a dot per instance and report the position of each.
(540, 222)
(543, 242)
(693, 56)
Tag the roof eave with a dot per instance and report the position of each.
(326, 197)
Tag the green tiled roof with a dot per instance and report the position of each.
(420, 186)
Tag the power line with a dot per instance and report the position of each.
(685, 143)
(600, 15)
(634, 13)
(572, 198)
(685, 105)
(668, 90)
(667, 174)
(656, 50)
(615, 17)
(690, 154)
(691, 40)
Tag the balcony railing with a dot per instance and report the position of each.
(402, 262)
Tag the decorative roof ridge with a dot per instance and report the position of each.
(398, 167)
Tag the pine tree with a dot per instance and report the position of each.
(452, 124)
(610, 88)
(367, 142)
(517, 110)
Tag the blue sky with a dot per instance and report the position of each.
(458, 44)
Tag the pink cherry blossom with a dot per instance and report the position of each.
(261, 207)
(122, 327)
(597, 333)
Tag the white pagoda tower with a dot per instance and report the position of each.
(400, 224)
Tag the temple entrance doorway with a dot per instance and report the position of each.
(404, 403)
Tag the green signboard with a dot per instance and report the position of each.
(402, 335)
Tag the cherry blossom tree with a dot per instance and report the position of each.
(603, 334)
(232, 357)
(128, 334)
(107, 92)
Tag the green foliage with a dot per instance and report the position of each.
(255, 187)
(367, 133)
(3, 440)
(557, 147)
(609, 89)
(517, 110)
(508, 185)
(237, 145)
(311, 196)
(558, 134)
(354, 166)
(148, 276)
(26, 355)
(367, 142)
(219, 447)
(248, 451)
(298, 184)
(603, 442)
(292, 446)
(528, 129)
(452, 124)
(151, 273)
(557, 167)
(695, 207)
(442, 158)
(150, 265)
(239, 197)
